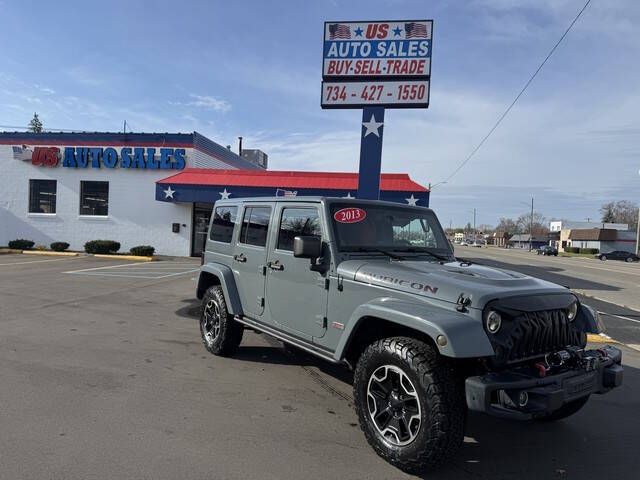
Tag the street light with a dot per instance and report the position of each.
(431, 187)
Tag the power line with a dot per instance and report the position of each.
(46, 129)
(526, 85)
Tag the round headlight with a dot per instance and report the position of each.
(493, 321)
(572, 311)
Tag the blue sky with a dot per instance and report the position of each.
(253, 68)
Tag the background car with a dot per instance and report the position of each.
(547, 250)
(618, 255)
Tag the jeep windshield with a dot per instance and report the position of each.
(389, 230)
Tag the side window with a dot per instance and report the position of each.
(255, 226)
(224, 219)
(295, 222)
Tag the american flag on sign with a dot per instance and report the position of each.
(22, 153)
(339, 30)
(286, 193)
(415, 30)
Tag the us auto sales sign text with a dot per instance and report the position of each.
(385, 63)
(393, 49)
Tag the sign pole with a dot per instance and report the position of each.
(370, 153)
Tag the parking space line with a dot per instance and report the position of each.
(40, 261)
(621, 317)
(114, 275)
(180, 273)
(137, 270)
(100, 268)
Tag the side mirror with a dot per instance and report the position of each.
(307, 246)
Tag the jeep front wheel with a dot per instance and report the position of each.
(221, 334)
(410, 403)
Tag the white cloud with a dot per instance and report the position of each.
(206, 102)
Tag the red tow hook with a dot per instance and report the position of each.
(542, 369)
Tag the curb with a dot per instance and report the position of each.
(600, 338)
(134, 258)
(53, 254)
(6, 251)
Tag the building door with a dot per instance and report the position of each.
(201, 216)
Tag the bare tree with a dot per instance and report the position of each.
(622, 211)
(507, 225)
(536, 225)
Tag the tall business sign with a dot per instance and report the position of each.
(373, 66)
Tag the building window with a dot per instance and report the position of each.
(224, 219)
(255, 226)
(94, 198)
(297, 222)
(42, 196)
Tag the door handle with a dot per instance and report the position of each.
(240, 258)
(276, 265)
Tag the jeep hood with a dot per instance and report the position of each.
(445, 282)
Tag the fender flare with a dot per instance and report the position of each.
(227, 282)
(465, 335)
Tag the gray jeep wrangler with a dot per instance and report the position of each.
(375, 286)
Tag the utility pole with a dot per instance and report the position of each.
(531, 227)
(475, 232)
(124, 127)
(638, 235)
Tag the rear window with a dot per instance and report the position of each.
(255, 226)
(224, 219)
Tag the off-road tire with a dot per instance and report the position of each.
(566, 410)
(229, 336)
(440, 391)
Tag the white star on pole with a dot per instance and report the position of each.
(168, 193)
(372, 126)
(224, 194)
(348, 195)
(412, 200)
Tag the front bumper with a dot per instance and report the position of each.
(523, 395)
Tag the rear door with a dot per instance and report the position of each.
(249, 258)
(296, 295)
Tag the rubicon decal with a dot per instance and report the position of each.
(391, 280)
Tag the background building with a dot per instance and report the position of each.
(604, 240)
(75, 187)
(145, 188)
(564, 227)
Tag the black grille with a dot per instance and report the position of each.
(533, 334)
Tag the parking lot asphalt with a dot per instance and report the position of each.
(102, 375)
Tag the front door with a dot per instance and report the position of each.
(296, 295)
(249, 258)
(201, 216)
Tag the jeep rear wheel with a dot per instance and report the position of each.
(221, 334)
(410, 403)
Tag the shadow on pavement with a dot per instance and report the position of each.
(547, 273)
(598, 442)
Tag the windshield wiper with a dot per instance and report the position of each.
(379, 250)
(438, 256)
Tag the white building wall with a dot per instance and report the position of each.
(135, 217)
(558, 225)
